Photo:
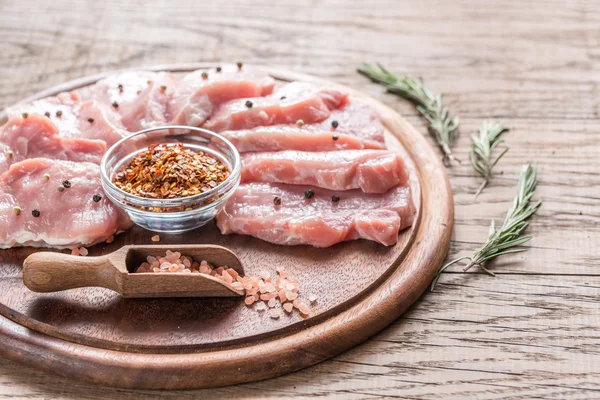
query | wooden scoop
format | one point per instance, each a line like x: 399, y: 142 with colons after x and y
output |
x: 51, y: 272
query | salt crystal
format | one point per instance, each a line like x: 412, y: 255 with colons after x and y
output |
x: 75, y: 251
x: 186, y: 271
x: 165, y: 265
x: 274, y: 313
x: 110, y: 239
x: 283, y: 274
x: 279, y: 269
x: 288, y: 307
x: 265, y: 274
x: 304, y: 309
x: 151, y: 259
x: 261, y: 306
x: 168, y: 253
x: 291, y: 295
x: 282, y: 296
x: 289, y: 286
x: 249, y: 300
x: 296, y: 303
x: 187, y: 262
x: 269, y: 287
x: 156, y: 238
x: 272, y: 303
x: 312, y: 298
x: 237, y: 286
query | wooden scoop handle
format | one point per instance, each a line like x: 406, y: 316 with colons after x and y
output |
x: 51, y: 272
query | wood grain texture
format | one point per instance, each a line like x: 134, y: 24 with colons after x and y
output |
x: 531, y: 332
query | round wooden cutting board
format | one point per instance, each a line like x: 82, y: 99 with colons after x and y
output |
x: 95, y: 335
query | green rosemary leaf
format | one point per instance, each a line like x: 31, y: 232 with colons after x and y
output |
x: 482, y: 148
x: 441, y: 125
x: 503, y: 240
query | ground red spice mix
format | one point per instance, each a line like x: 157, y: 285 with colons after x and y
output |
x: 171, y: 171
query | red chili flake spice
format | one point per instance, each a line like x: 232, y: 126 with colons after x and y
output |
x: 171, y: 171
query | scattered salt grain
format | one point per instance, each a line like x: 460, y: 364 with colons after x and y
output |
x: 274, y: 313
x: 312, y: 298
x: 83, y: 251
x: 155, y: 238
x: 288, y: 307
x: 110, y: 239
x: 261, y: 306
x: 272, y: 303
x: 75, y: 251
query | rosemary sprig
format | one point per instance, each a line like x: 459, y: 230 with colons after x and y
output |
x: 503, y: 241
x: 441, y: 124
x: 482, y: 149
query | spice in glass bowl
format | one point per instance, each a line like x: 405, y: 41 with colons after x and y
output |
x: 170, y: 171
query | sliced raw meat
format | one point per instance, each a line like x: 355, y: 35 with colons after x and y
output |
x: 358, y: 127
x: 317, y: 221
x: 66, y: 219
x: 75, y: 119
x: 141, y: 98
x: 97, y: 121
x: 37, y: 136
x: 58, y: 108
x: 196, y: 98
x: 287, y: 105
x: 372, y: 171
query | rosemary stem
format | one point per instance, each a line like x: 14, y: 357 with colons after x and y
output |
x: 481, y: 187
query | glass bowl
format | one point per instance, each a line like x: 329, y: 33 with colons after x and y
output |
x: 178, y: 214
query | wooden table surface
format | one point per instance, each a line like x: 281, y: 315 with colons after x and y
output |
x: 530, y: 332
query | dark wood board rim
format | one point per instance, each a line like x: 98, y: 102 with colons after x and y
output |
x: 278, y: 355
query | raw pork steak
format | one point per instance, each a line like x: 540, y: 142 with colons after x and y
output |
x: 196, y: 98
x: 358, y: 127
x: 317, y: 221
x: 37, y: 136
x: 372, y: 171
x: 289, y: 104
x: 75, y: 119
x: 141, y: 98
x: 67, y: 219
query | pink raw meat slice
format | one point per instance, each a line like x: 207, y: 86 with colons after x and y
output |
x: 372, y: 171
x: 66, y: 219
x: 59, y: 108
x: 358, y: 127
x: 196, y: 98
x: 37, y: 136
x: 287, y: 105
x: 75, y: 119
x: 317, y: 221
x: 141, y: 98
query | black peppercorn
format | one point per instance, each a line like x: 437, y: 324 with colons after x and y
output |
x: 219, y: 69
x: 334, y: 124
x: 90, y: 120
x: 277, y: 201
x: 35, y: 213
x: 240, y: 65
x: 58, y: 113
x: 115, y: 104
x: 335, y: 198
x: 249, y: 104
x: 24, y: 115
x: 47, y: 114
x: 335, y: 137
x: 97, y: 197
x: 309, y: 194
x: 66, y: 184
